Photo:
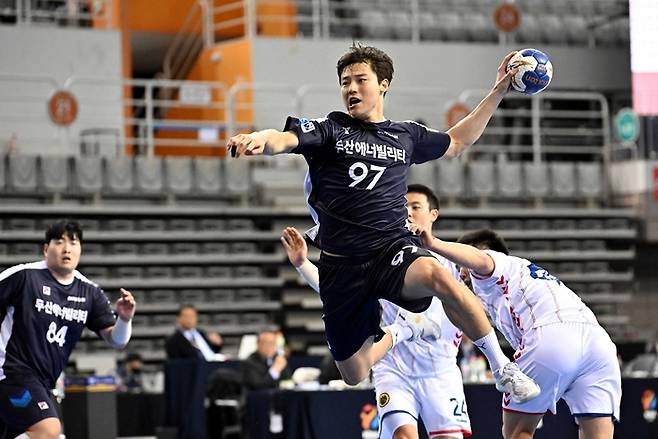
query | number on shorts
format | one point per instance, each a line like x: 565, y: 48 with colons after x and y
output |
x: 56, y: 336
x: 359, y: 171
x: 460, y: 407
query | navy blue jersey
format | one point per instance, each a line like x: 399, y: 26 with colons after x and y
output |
x: 42, y: 320
x: 358, y: 177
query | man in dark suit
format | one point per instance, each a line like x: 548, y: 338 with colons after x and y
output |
x: 190, y: 342
x: 266, y: 367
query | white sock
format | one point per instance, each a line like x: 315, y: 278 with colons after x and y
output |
x: 22, y: 436
x: 491, y: 349
x: 398, y: 333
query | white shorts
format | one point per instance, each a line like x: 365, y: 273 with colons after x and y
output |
x: 439, y: 400
x: 576, y: 362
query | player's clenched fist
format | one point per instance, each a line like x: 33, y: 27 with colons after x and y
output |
x: 247, y: 144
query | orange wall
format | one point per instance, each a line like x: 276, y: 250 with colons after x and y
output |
x: 227, y: 63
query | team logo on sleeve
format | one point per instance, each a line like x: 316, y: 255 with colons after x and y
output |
x: 306, y: 125
x: 43, y: 405
x: 384, y: 399
x: 536, y: 272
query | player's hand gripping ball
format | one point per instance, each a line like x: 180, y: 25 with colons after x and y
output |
x: 535, y: 71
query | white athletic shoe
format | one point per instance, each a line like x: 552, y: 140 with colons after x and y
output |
x: 519, y: 386
x: 420, y: 326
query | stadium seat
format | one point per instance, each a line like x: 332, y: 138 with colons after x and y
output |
x: 221, y: 296
x: 158, y: 271
x: 214, y: 248
x: 153, y: 224
x: 185, y: 248
x: 451, y: 26
x: 192, y: 296
x: 188, y: 271
x: 429, y: 29
x: 480, y: 27
x: 120, y: 224
x: 54, y: 173
x: 510, y: 179
x: 211, y: 224
x: 250, y: 295
x: 23, y: 173
x: 553, y: 28
x: 451, y: 179
x: 589, y: 180
x: 482, y: 179
x: 563, y: 179
x: 208, y: 176
x: 183, y: 224
x: 400, y: 21
x: 119, y: 175
x: 238, y: 178
x: 178, y: 175
x: 424, y: 174
x: 375, y: 24
x: 218, y: 271
x: 536, y: 180
x: 148, y: 175
x: 88, y: 174
x: 3, y: 172
x: 154, y: 248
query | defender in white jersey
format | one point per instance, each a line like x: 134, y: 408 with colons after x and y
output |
x: 557, y: 338
x: 419, y: 377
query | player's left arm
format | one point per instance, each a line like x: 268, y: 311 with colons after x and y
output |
x: 118, y: 334
x: 468, y: 130
x: 297, y: 251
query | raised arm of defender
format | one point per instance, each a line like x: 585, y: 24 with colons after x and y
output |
x: 461, y: 254
x: 265, y: 142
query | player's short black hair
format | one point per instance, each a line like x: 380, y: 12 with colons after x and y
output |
x: 133, y: 356
x: 432, y: 199
x: 377, y: 59
x: 485, y: 239
x: 185, y: 306
x: 63, y: 227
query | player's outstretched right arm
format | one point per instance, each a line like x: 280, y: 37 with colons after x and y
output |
x: 297, y: 251
x: 266, y: 142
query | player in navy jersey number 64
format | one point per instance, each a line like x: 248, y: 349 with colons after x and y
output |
x: 44, y: 307
x: 356, y: 186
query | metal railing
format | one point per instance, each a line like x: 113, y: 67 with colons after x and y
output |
x: 149, y: 114
x: 71, y: 13
x: 136, y: 113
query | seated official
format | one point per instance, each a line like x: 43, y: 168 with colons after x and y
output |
x: 188, y: 341
x: 266, y: 367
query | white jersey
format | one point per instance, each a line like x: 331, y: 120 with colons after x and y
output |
x: 520, y: 296
x: 423, y: 357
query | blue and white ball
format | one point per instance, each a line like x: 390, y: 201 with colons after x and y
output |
x: 535, y: 71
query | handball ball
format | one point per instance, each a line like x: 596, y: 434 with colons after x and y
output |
x: 535, y: 71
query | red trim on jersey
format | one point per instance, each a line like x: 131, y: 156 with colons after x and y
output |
x: 483, y: 277
x: 466, y: 433
x: 505, y: 409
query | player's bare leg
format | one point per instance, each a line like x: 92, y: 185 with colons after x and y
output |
x: 427, y: 277
x: 408, y: 431
x: 48, y: 428
x: 595, y: 428
x: 357, y: 368
x: 519, y: 425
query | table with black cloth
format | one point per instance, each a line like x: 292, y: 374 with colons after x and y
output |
x: 138, y: 414
x: 186, y: 383
x: 338, y: 414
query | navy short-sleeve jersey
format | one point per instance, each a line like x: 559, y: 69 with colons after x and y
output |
x: 42, y: 320
x: 358, y: 177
